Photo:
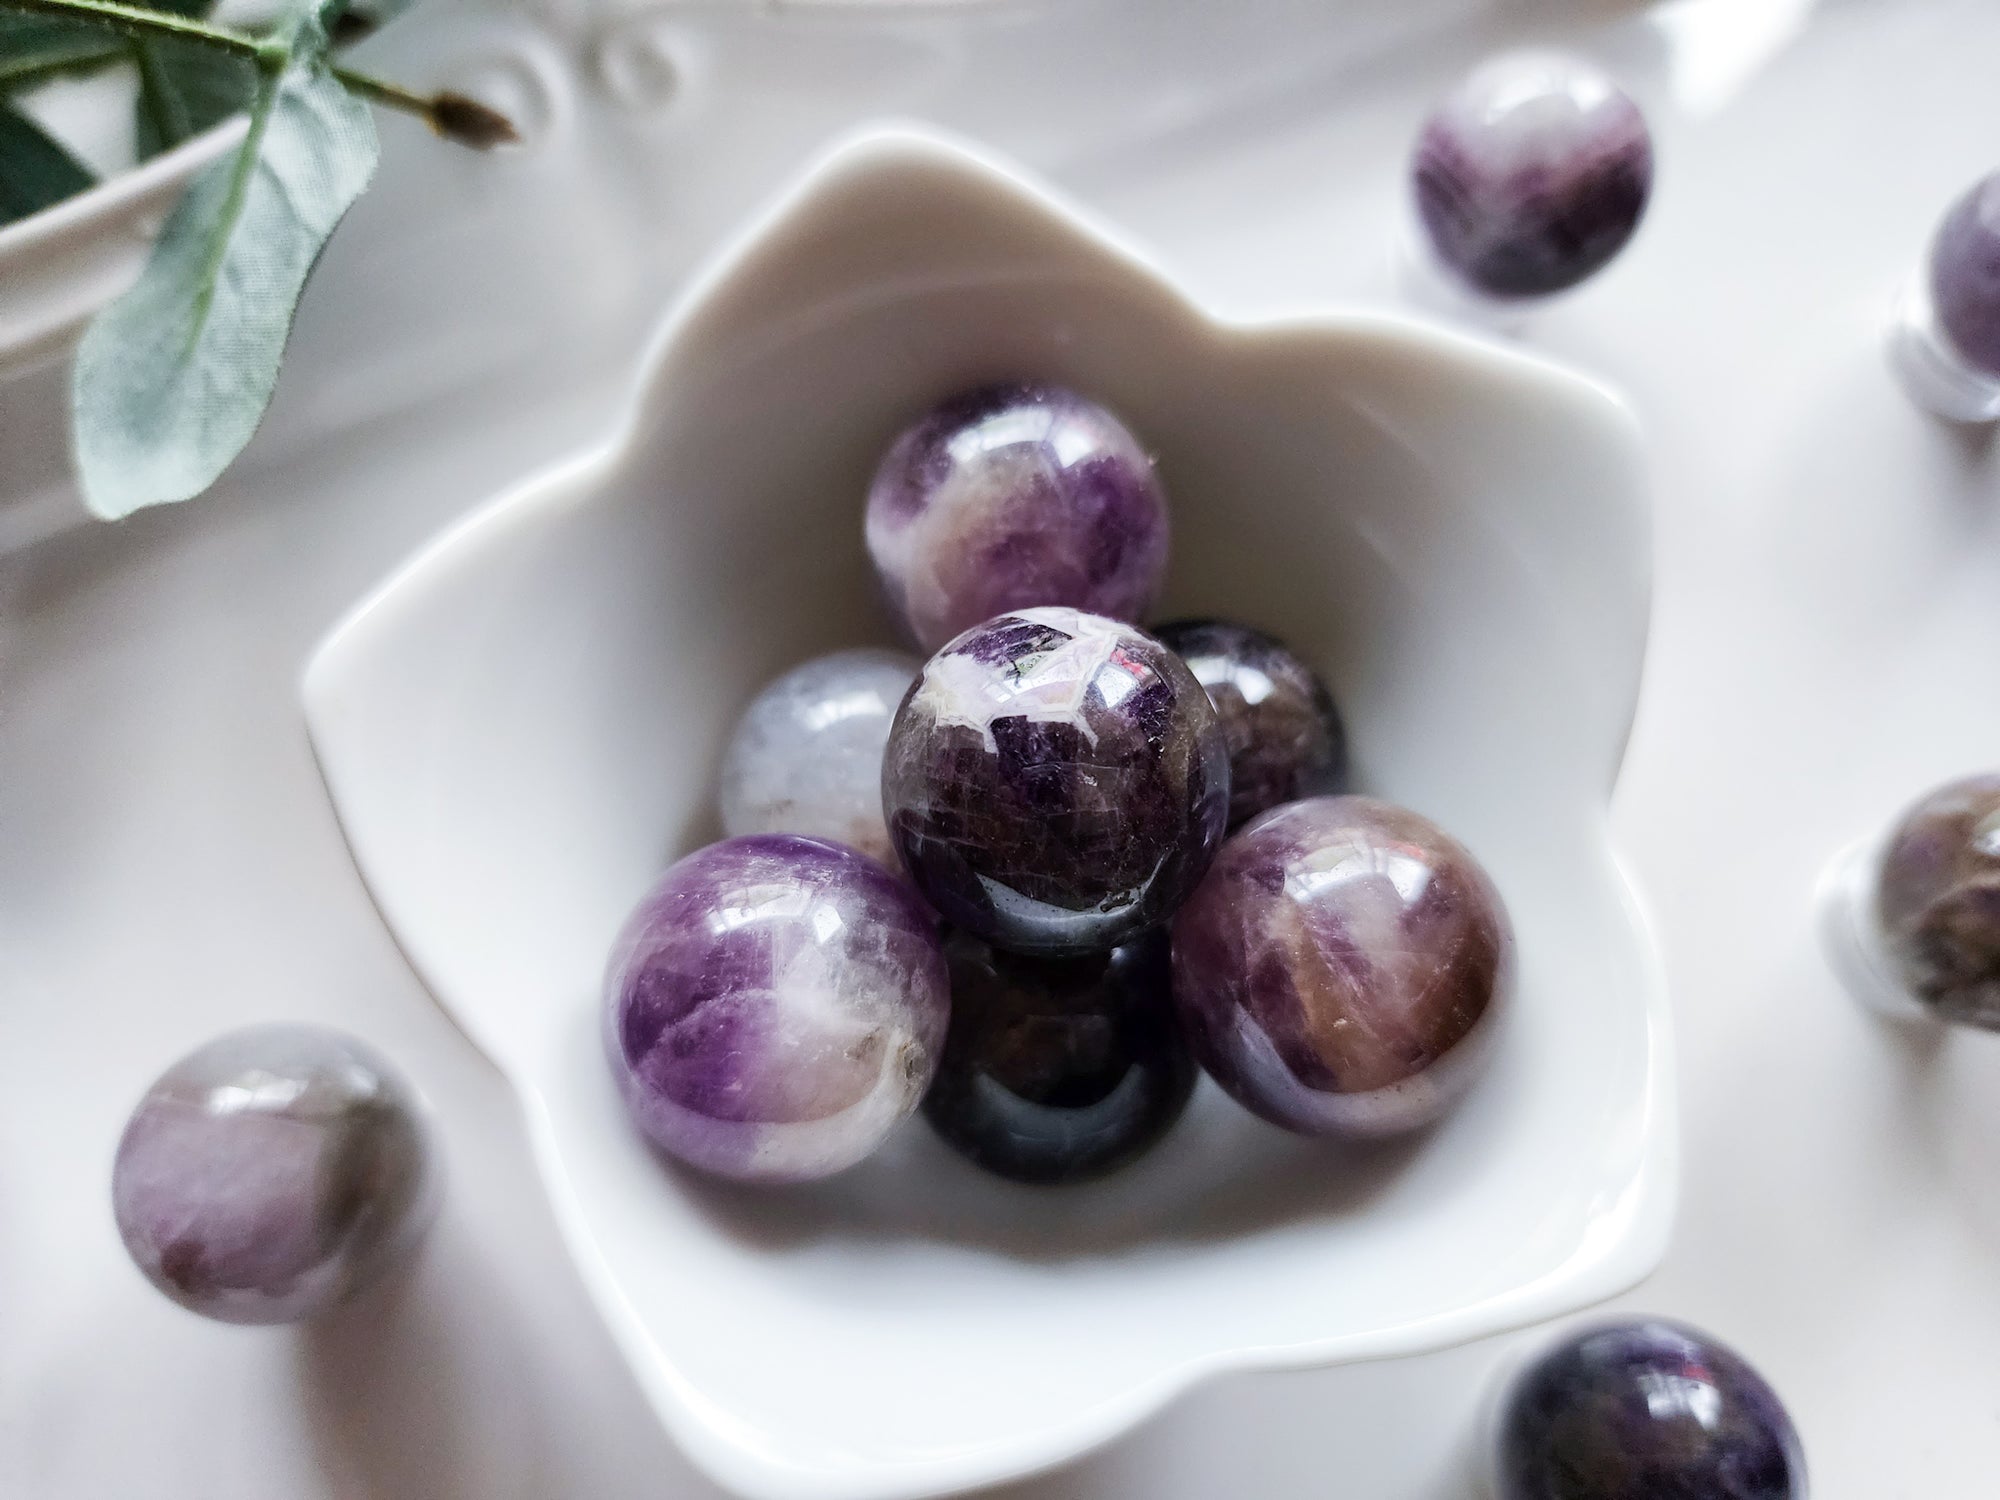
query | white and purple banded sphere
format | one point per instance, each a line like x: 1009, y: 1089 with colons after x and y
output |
x: 1965, y: 276
x: 1341, y: 967
x: 806, y: 757
x: 1284, y: 735
x: 1532, y: 175
x: 1015, y: 495
x: 1938, y: 901
x: 1644, y: 1409
x: 1055, y: 781
x: 775, y: 1007
x: 271, y: 1173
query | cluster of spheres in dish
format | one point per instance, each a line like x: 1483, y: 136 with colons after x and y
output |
x: 1035, y: 881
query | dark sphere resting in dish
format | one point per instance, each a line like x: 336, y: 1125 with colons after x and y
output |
x: 1341, y: 968
x: 1938, y: 901
x: 1056, y: 782
x: 1059, y: 1069
x: 1284, y: 734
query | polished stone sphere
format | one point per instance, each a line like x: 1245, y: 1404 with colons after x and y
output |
x: 1059, y: 1069
x: 1284, y: 734
x: 1340, y: 968
x: 1055, y: 781
x: 806, y: 757
x: 1532, y: 175
x: 1644, y: 1409
x: 775, y: 1007
x: 1965, y: 276
x: 1938, y: 901
x: 273, y: 1172
x: 1015, y: 495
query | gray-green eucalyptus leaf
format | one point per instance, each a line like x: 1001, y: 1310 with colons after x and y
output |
x: 172, y: 379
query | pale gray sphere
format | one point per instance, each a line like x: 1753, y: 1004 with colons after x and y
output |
x: 806, y: 756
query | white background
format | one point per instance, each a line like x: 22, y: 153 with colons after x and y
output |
x: 1826, y: 645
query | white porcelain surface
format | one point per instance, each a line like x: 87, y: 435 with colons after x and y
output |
x: 523, y: 726
x: 1827, y: 561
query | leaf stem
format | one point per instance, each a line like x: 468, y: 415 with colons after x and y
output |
x: 145, y: 25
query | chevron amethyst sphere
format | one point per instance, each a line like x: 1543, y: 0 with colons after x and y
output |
x: 272, y: 1172
x: 1644, y: 1409
x: 1965, y: 276
x: 1015, y: 495
x: 1059, y: 1069
x: 1938, y: 901
x: 1055, y: 781
x: 1340, y: 967
x: 1532, y: 175
x: 1284, y: 734
x: 775, y: 1007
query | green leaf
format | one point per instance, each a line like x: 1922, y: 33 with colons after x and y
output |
x: 36, y: 47
x: 35, y: 170
x: 184, y: 88
x: 172, y: 378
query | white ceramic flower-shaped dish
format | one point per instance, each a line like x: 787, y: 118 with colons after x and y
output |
x: 522, y: 728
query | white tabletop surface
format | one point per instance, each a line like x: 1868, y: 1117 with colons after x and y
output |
x: 1826, y: 645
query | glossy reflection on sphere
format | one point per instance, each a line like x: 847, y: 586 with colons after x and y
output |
x: 806, y: 756
x: 1645, y: 1409
x: 1015, y: 495
x: 1284, y: 734
x: 1965, y: 276
x: 1341, y: 965
x: 1532, y: 176
x: 1938, y: 901
x: 1055, y: 781
x: 774, y: 1007
x: 272, y: 1172
x: 1059, y: 1069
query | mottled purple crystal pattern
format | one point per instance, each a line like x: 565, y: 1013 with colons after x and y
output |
x: 271, y: 1173
x: 1055, y: 781
x: 1938, y: 901
x: 1532, y: 175
x: 1015, y: 495
x: 1645, y: 1409
x: 774, y: 1007
x: 1965, y: 276
x: 1284, y: 735
x: 1341, y: 967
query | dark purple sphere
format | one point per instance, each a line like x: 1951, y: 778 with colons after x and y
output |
x: 1645, y: 1410
x: 1055, y: 781
x: 271, y: 1173
x: 1938, y: 901
x: 1015, y: 495
x: 1532, y: 175
x: 1965, y: 276
x: 1340, y: 967
x: 775, y: 1007
x: 1284, y: 734
x: 1059, y: 1069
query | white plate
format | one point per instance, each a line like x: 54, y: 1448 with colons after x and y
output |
x: 522, y: 727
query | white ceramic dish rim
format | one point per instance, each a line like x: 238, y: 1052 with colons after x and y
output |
x: 1630, y: 1238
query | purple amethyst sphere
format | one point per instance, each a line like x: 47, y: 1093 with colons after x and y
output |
x: 775, y: 1007
x: 1938, y: 901
x: 1532, y: 175
x: 1059, y: 1069
x: 1055, y: 781
x: 1965, y: 276
x: 1340, y: 967
x: 271, y: 1173
x: 1284, y: 734
x: 1644, y: 1409
x: 1015, y: 495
